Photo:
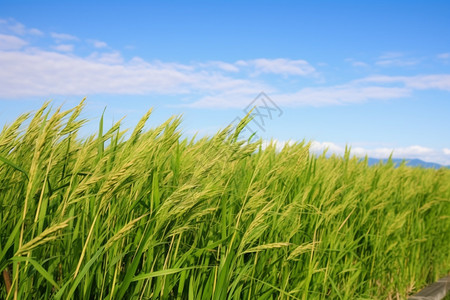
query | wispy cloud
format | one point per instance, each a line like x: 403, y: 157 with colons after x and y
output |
x: 397, y: 63
x: 235, y: 97
x: 34, y: 31
x: 444, y: 58
x: 108, y: 58
x: 214, y: 83
x: 35, y: 72
x: 63, y: 37
x: 396, y: 59
x: 98, y: 44
x: 43, y: 73
x: 356, y: 63
x: 224, y: 66
x: 340, y: 94
x: 351, y: 93
x: 418, y: 82
x: 444, y: 55
x: 64, y: 47
x: 10, y: 42
x: 14, y: 27
x: 279, y: 66
x: 256, y: 67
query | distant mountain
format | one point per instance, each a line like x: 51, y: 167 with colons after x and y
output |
x: 409, y: 163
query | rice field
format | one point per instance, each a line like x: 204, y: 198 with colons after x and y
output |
x: 153, y: 215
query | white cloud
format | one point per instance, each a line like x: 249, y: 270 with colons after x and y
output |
x: 356, y: 63
x: 64, y: 48
x: 424, y: 82
x: 34, y: 31
x: 13, y: 27
x: 109, y: 58
x: 219, y: 65
x: 239, y: 95
x: 340, y: 94
x: 444, y: 55
x: 43, y: 73
x: 98, y: 44
x: 446, y: 151
x: 10, y: 42
x: 359, y: 64
x: 280, y: 66
x: 320, y: 147
x: 63, y: 37
x: 17, y: 28
x: 397, y: 62
x: 357, y: 91
x: 395, y: 59
x: 419, y: 82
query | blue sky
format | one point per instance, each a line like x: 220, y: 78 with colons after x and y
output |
x: 375, y: 76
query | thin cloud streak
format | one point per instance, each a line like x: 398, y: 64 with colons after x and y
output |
x: 64, y: 47
x: 395, y: 59
x: 418, y: 82
x: 11, y: 26
x: 280, y: 66
x: 340, y: 95
x: 63, y: 37
x: 98, y: 44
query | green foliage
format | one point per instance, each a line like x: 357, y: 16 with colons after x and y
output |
x: 156, y: 216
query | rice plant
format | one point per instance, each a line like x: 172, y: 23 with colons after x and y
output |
x: 153, y: 215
